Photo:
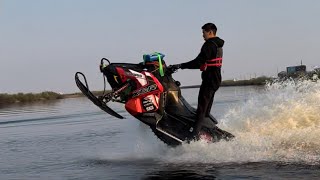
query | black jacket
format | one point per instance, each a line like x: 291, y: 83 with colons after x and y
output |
x: 212, y: 76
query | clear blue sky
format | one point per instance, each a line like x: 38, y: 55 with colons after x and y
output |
x: 44, y: 42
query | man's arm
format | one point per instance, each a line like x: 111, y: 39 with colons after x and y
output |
x: 205, y: 53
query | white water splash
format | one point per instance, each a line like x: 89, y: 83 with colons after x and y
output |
x: 282, y: 124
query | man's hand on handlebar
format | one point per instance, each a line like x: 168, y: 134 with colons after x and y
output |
x: 173, y: 68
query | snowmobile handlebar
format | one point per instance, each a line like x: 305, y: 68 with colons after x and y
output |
x: 102, y: 65
x: 172, y: 69
x: 104, y: 59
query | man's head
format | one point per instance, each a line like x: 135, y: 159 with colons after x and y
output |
x: 209, y: 30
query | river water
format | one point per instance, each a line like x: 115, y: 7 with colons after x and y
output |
x: 276, y: 127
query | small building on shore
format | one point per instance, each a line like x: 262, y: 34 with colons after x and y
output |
x: 298, y: 72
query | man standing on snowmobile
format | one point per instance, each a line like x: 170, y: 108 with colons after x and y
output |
x: 209, y: 61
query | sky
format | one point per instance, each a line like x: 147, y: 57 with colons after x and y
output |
x: 43, y: 43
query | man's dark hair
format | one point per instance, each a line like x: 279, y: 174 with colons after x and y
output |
x: 210, y: 27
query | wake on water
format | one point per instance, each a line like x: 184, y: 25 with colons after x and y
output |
x: 279, y: 125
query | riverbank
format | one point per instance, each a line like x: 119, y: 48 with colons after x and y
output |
x: 260, y: 81
x: 23, y: 98
x: 8, y: 99
x: 79, y: 94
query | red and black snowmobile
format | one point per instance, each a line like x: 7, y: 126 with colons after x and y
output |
x: 151, y: 95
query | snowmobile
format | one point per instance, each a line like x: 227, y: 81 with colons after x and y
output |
x: 150, y: 94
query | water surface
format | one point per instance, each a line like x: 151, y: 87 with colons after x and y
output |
x: 277, y: 137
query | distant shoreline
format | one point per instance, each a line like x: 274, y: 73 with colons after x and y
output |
x: 23, y: 98
x: 260, y: 81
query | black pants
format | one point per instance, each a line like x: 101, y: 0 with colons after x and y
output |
x: 205, y: 101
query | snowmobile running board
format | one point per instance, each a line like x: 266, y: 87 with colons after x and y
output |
x: 85, y: 90
x: 170, y: 135
x: 167, y: 133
